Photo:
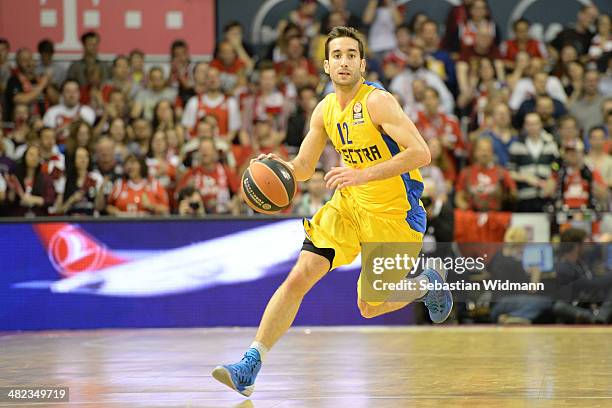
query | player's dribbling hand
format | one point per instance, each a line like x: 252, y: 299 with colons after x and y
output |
x: 340, y: 177
x: 273, y: 156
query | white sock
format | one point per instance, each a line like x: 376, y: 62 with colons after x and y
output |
x: 260, y: 348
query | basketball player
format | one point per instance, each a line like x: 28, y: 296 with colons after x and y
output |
x: 376, y: 199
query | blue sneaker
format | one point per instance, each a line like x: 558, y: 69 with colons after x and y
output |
x: 439, y: 302
x: 240, y: 376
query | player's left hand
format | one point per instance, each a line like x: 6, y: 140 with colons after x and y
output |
x: 340, y: 177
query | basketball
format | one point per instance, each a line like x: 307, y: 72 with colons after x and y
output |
x: 268, y: 186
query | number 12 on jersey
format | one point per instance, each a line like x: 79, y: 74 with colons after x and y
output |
x: 345, y: 126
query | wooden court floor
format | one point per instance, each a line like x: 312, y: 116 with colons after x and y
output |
x: 380, y: 367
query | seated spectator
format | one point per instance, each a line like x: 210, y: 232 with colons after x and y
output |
x: 470, y: 57
x: 138, y: 75
x: 296, y: 57
x: 106, y: 162
x: 530, y: 165
x: 549, y: 112
x: 162, y: 166
x: 298, y: 123
x: 415, y: 69
x: 136, y: 194
x: 572, y: 82
x: 501, y: 133
x: 31, y: 190
x: 199, y: 84
x: 53, y: 162
x: 2, y: 194
x: 598, y: 158
x: 24, y: 87
x: 442, y: 161
x: 213, y: 102
x: 117, y: 131
x: 59, y: 117
x: 457, y: 15
x: 147, y: 98
x: 164, y: 116
x: 5, y: 67
x: 381, y: 18
x: 567, y: 55
x: 521, y: 42
x: 120, y: 80
x: 578, y: 185
x: 587, y: 109
x: 7, y: 165
x: 232, y: 69
x: 433, y: 175
x: 91, y: 90
x: 16, y: 137
x: 315, y: 196
x: 395, y: 60
x: 304, y: 17
x: 78, y: 69
x: 317, y: 45
x: 81, y: 135
x: 82, y: 186
x: 437, y: 59
x: 215, y: 181
x: 234, y: 33
x: 578, y: 34
x: 268, y: 101
x: 349, y: 18
x: 440, y: 219
x: 602, y: 41
x: 265, y: 140
x: 484, y: 185
x: 180, y: 67
x: 568, y: 131
x: 190, y: 202
x: 434, y: 124
x: 277, y: 52
x: 141, y: 137
x: 46, y: 65
x: 525, y: 87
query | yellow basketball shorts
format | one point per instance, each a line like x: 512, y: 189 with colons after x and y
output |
x: 343, y: 225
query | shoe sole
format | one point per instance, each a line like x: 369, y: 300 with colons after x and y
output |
x: 222, y: 375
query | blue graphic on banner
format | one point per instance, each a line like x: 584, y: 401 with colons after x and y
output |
x: 161, y: 274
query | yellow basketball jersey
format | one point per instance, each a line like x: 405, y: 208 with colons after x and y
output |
x: 361, y: 145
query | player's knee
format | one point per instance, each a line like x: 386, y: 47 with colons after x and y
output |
x: 304, y: 275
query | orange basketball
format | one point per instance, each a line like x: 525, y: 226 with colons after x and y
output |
x: 268, y: 186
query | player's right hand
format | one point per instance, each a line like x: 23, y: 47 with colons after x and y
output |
x: 273, y: 156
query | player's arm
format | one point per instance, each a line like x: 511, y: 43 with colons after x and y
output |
x: 387, y: 114
x: 304, y: 164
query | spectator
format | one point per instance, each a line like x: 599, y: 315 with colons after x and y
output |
x: 578, y: 185
x: 572, y: 82
x: 91, y: 91
x: 234, y: 33
x: 317, y: 45
x: 298, y: 123
x: 141, y: 132
x: 199, y: 84
x: 265, y: 140
x: 7, y: 165
x: 568, y: 131
x: 190, y: 202
x: 120, y: 80
x: 106, y: 162
x: 138, y: 75
x: 578, y: 35
x: 179, y: 66
x: 21, y: 127
x: 602, y: 41
x: 597, y: 157
x: 78, y: 69
x: 530, y: 165
x: 525, y: 87
x: 278, y: 51
x: 339, y: 6
x: 296, y: 58
x: 395, y: 60
x: 31, y: 189
x: 213, y: 102
x: 521, y: 42
x: 479, y: 20
x: 117, y: 131
x: 46, y: 65
x: 82, y: 186
x: 213, y: 180
x: 81, y: 135
x: 457, y: 15
x: 437, y: 59
x: 147, y: 98
x: 23, y: 87
x: 381, y: 18
x: 501, y: 133
x: 433, y: 175
x: 232, y: 68
x: 587, y: 109
x: 267, y: 101
x: 5, y: 67
x: 59, y: 117
x: 434, y: 124
x: 484, y: 185
x: 470, y: 56
x: 441, y: 161
x: 161, y: 164
x: 304, y: 18
x: 549, y: 113
x: 53, y: 161
x: 135, y: 194
x: 415, y: 69
x: 315, y: 196
x: 440, y: 218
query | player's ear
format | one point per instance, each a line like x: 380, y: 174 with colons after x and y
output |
x: 362, y: 68
x: 326, y: 66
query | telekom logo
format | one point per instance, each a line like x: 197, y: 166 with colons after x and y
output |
x: 70, y: 252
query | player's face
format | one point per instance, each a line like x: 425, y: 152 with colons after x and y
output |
x: 344, y: 65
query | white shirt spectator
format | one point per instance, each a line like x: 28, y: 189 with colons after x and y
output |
x: 382, y: 32
x: 148, y: 99
x: 524, y: 89
x: 60, y: 115
x: 402, y: 85
x: 2, y: 184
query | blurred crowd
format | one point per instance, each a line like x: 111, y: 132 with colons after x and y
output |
x: 517, y: 124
